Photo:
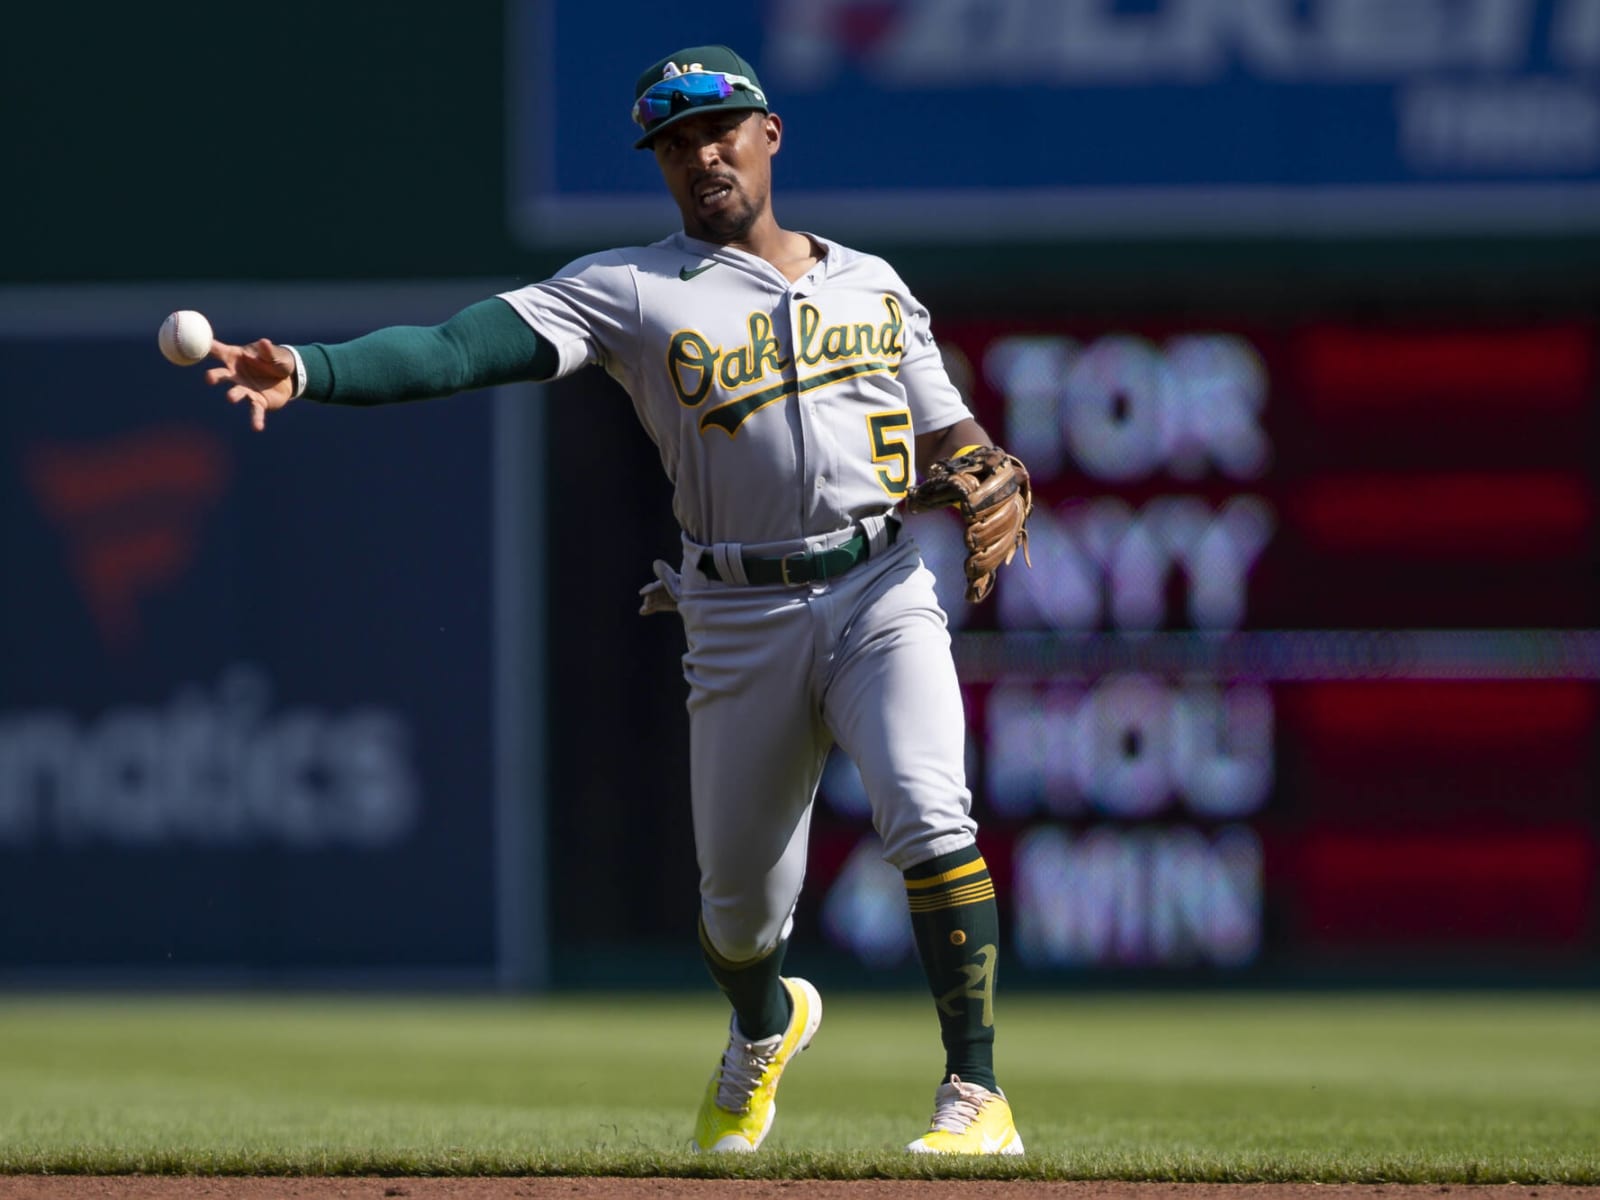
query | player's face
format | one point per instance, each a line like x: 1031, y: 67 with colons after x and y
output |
x: 718, y: 167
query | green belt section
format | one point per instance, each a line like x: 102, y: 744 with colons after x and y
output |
x: 803, y: 566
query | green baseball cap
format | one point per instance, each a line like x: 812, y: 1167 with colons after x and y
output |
x: 691, y: 81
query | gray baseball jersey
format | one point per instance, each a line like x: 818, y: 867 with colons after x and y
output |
x: 780, y: 409
x: 785, y: 414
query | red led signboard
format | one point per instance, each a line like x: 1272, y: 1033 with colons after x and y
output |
x: 1305, y: 666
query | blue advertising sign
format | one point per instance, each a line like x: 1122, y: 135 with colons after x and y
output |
x: 246, y: 703
x: 979, y: 119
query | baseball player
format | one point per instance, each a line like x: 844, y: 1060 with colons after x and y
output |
x: 793, y: 387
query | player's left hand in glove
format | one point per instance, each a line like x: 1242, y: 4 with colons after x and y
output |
x: 661, y: 593
x: 994, y: 496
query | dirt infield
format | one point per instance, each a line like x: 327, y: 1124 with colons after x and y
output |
x: 190, y: 1187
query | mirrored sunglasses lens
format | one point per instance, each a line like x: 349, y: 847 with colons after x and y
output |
x: 670, y: 95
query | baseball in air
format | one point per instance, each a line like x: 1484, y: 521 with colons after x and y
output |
x: 185, y: 337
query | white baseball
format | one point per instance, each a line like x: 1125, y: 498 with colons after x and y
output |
x: 185, y: 337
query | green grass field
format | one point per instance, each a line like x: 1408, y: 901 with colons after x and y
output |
x: 1364, y: 1087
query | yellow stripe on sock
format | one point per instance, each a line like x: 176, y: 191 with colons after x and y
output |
x: 973, y: 893
x: 976, y: 888
x: 933, y: 881
x: 951, y: 904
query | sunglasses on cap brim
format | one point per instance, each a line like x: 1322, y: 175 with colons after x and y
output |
x: 690, y: 90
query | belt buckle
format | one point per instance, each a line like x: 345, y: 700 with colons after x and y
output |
x: 783, y: 567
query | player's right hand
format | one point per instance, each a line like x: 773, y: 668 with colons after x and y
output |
x: 262, y: 373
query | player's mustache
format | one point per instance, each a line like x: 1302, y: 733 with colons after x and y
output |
x: 712, y: 177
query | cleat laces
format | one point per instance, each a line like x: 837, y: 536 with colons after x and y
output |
x: 743, y: 1064
x: 956, y: 1106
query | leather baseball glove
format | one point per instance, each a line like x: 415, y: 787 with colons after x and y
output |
x: 994, y: 496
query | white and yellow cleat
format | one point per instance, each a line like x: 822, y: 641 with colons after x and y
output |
x: 968, y: 1119
x: 742, y: 1097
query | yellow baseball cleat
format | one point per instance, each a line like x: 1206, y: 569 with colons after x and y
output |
x: 968, y: 1119
x: 741, y: 1098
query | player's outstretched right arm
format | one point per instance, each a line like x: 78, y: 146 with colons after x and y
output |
x: 481, y: 346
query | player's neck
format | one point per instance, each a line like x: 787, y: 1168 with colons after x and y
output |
x: 791, y: 253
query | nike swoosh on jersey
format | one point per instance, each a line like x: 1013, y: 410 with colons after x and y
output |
x: 685, y: 274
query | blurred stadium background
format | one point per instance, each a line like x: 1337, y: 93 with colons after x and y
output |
x: 1291, y: 306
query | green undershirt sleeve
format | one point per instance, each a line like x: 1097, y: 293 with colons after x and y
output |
x: 483, y: 345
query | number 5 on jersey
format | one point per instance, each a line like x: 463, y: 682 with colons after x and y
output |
x: 890, y: 434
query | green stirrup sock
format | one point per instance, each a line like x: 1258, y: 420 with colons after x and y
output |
x: 759, y: 999
x: 957, y: 928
